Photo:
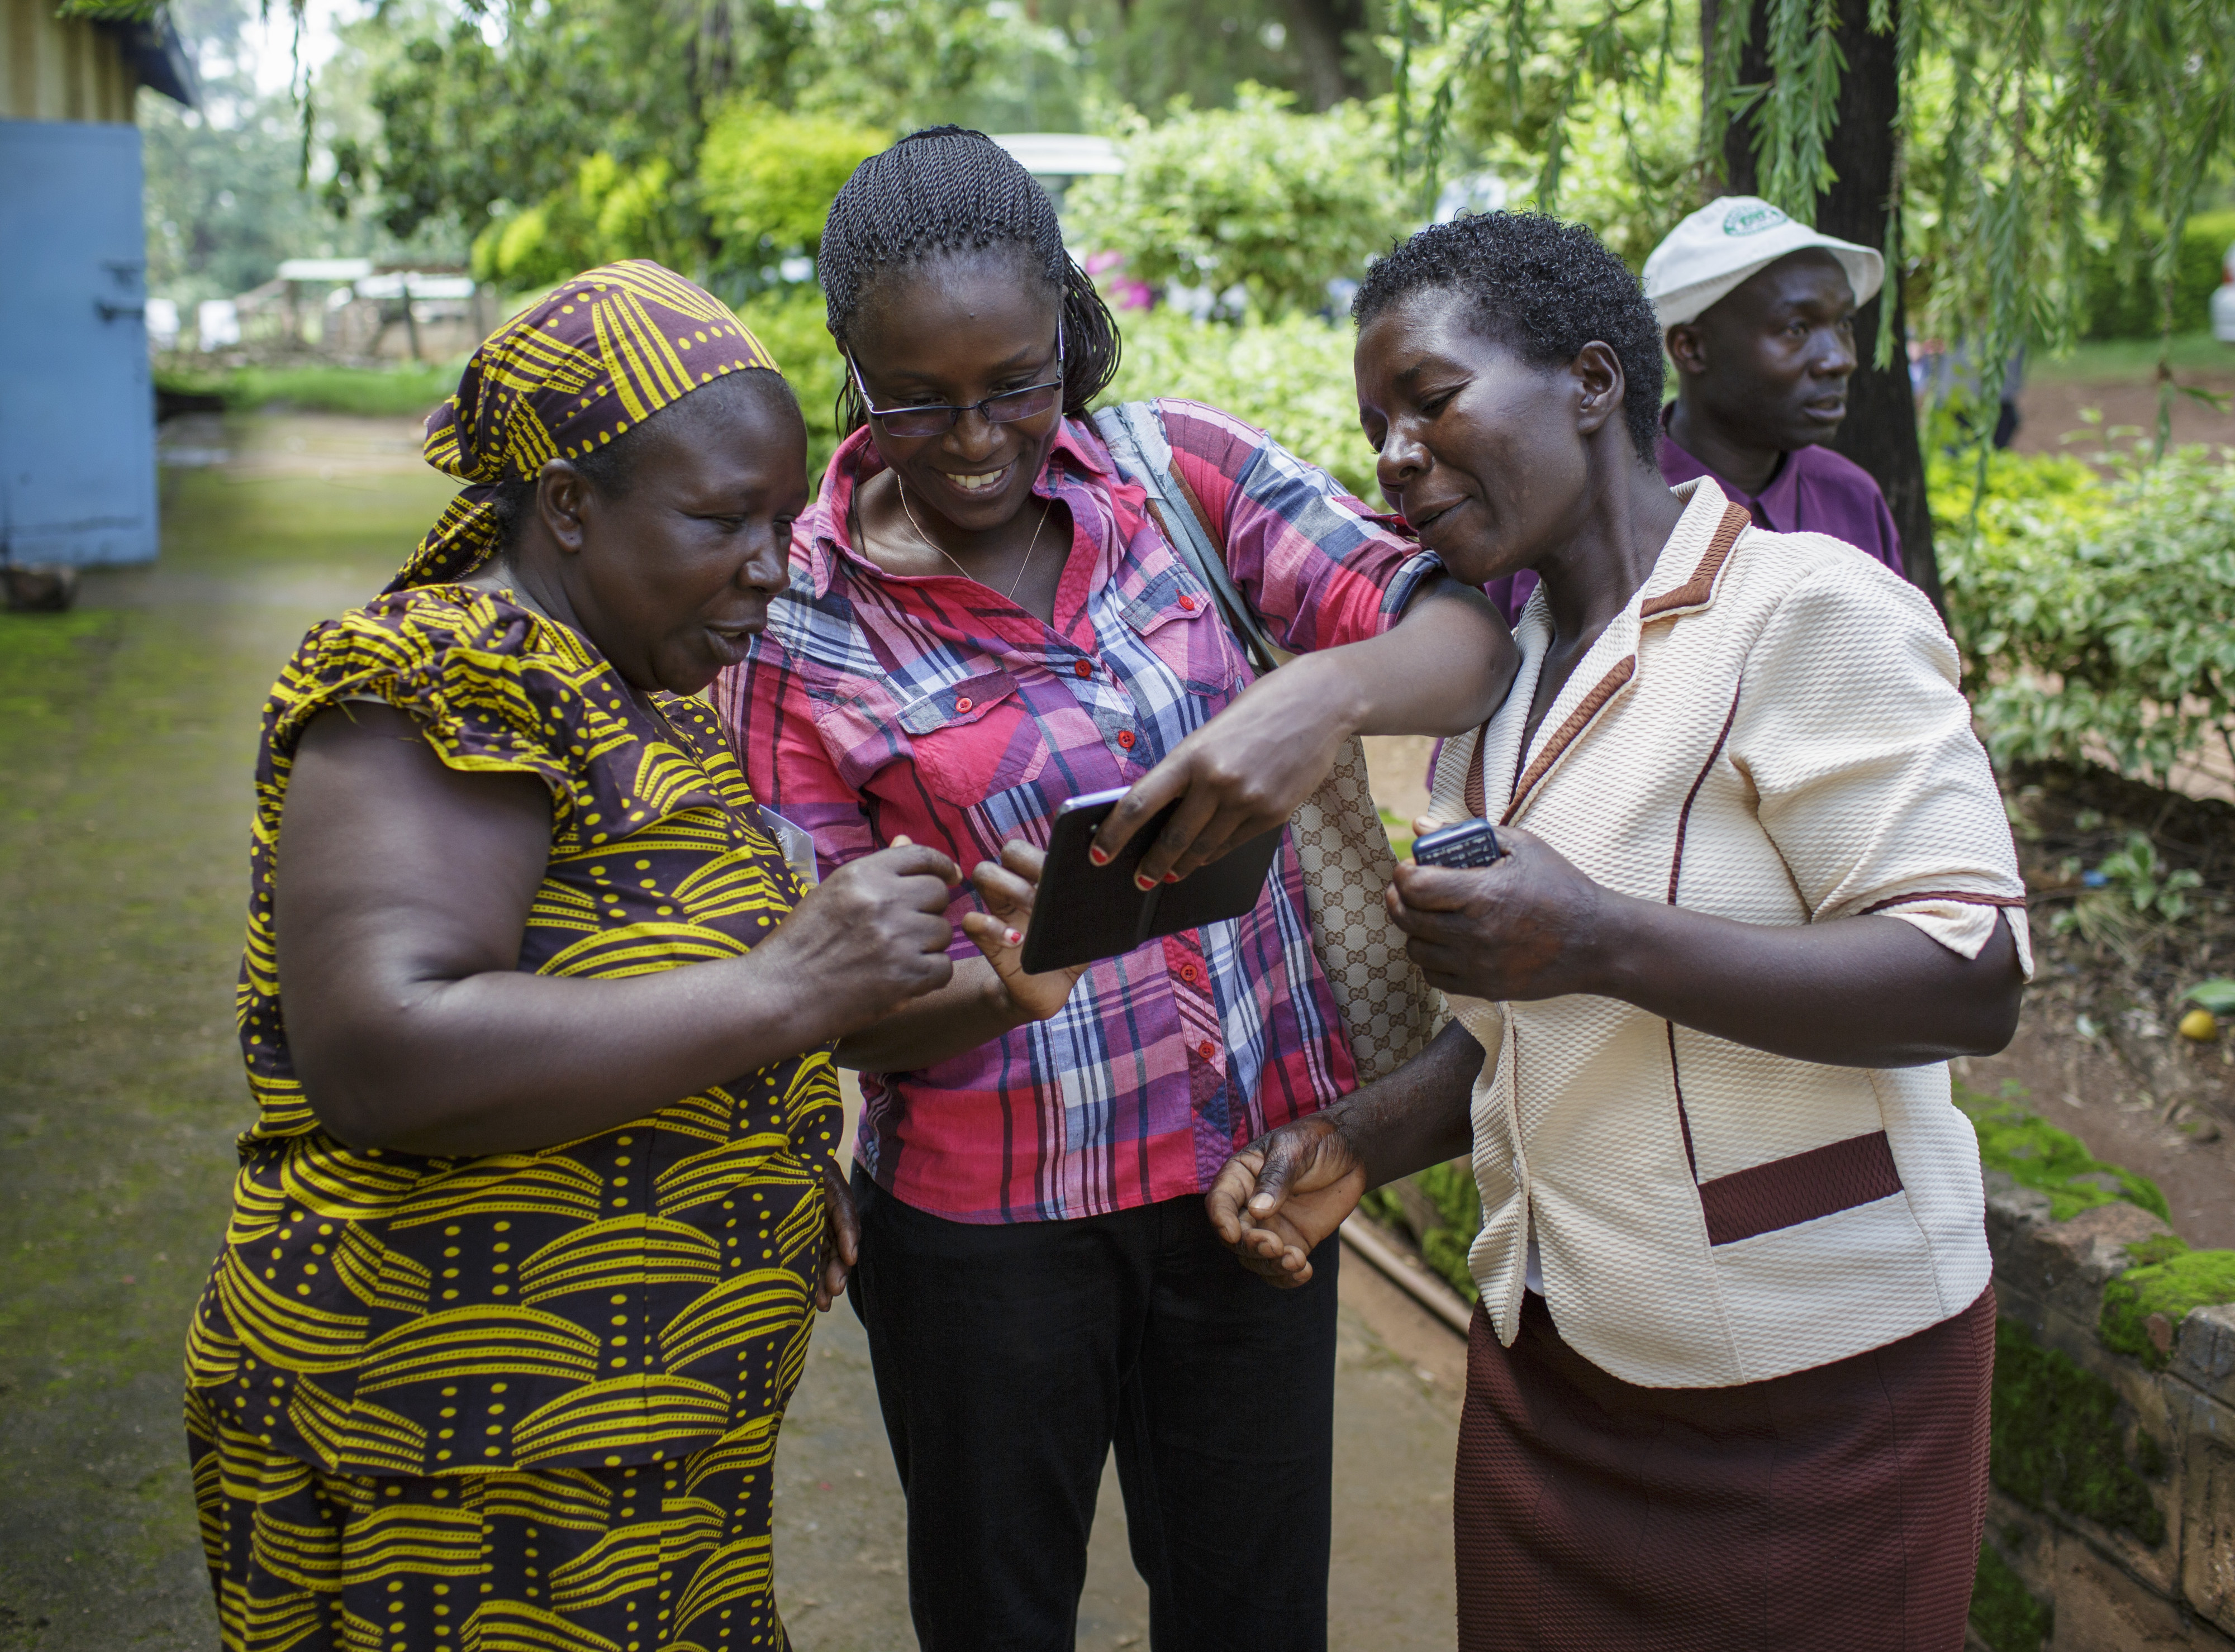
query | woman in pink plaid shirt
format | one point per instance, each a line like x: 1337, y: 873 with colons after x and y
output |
x: 984, y: 620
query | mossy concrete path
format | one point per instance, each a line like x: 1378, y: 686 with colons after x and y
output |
x: 127, y: 734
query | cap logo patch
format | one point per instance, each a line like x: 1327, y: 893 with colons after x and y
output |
x: 1753, y: 218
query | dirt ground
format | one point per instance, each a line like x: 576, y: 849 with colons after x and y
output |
x: 2050, y: 412
x: 128, y: 731
x: 2098, y: 1053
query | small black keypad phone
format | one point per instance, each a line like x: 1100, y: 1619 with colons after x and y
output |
x: 1471, y: 843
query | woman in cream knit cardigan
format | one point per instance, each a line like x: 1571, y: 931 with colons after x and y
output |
x: 1727, y: 1384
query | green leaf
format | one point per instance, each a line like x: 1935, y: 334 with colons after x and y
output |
x: 2216, y: 995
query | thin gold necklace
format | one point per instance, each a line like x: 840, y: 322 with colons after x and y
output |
x: 1010, y: 595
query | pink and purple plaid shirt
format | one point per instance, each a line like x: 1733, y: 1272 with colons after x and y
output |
x: 876, y: 706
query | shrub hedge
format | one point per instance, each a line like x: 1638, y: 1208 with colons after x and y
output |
x: 2096, y: 610
x: 2122, y: 302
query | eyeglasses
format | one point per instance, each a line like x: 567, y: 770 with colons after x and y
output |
x: 938, y: 418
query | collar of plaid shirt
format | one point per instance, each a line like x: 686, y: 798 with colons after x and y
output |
x: 857, y: 460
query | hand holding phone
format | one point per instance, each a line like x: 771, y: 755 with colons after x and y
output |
x: 1470, y: 843
x: 1084, y: 913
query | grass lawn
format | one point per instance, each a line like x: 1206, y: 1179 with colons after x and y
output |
x: 2111, y: 360
x: 408, y: 388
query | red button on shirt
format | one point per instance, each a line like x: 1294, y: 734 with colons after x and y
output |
x: 1188, y: 603
x: 1189, y: 972
x: 962, y: 704
x: 1084, y: 669
x: 1206, y: 1049
x: 1125, y: 738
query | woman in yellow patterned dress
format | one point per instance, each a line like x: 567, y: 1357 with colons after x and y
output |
x: 536, y: 1017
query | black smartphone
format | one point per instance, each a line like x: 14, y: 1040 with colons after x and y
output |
x: 1471, y: 843
x: 1084, y: 913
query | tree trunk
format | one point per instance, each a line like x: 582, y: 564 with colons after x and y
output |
x: 1879, y: 432
x: 1321, y: 28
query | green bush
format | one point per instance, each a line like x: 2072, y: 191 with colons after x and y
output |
x: 1443, y: 1240
x: 1277, y: 202
x: 608, y: 211
x: 1290, y: 378
x: 2097, y: 614
x: 789, y: 321
x: 2004, y: 1611
x: 2123, y: 303
x: 766, y: 179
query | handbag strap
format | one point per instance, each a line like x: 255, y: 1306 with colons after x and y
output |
x: 1134, y: 432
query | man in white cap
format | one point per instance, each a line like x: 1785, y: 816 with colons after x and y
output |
x: 1758, y: 313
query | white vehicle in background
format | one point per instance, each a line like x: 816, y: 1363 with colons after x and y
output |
x: 2223, y: 301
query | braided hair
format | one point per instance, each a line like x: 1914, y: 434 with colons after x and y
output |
x: 1543, y: 288
x: 947, y: 189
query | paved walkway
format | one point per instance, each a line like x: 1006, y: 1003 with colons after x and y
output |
x: 127, y: 736
x: 839, y: 1528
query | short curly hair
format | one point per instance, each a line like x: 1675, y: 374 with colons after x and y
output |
x: 1542, y: 288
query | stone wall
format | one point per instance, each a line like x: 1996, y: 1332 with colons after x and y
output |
x: 2110, y: 1527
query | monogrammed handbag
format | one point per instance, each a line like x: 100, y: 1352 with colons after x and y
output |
x: 1388, y: 1009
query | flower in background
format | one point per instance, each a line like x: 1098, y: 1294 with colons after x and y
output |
x: 1123, y: 292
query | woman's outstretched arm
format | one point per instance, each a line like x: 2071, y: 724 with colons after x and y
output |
x: 1441, y: 669
x: 402, y: 897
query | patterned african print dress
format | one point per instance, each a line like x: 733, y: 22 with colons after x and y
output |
x: 525, y: 1400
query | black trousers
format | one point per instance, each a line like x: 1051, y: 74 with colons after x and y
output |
x: 1008, y: 1361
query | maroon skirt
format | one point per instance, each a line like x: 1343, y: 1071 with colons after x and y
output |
x: 1839, y: 1507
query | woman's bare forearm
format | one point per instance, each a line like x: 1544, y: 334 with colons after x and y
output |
x: 1872, y: 992
x: 1441, y: 669
x: 970, y: 1010
x: 1421, y: 1115
x: 508, y: 1062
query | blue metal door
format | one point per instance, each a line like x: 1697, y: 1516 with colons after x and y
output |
x: 77, y: 419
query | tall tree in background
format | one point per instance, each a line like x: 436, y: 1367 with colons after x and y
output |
x: 2054, y: 126
x: 1861, y: 151
x: 1327, y: 33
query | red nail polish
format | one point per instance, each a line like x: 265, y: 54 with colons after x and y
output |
x: 1144, y: 883
x: 1015, y: 937
x: 1171, y: 877
x: 1097, y: 855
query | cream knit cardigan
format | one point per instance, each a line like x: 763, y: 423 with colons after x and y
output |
x: 1770, y: 731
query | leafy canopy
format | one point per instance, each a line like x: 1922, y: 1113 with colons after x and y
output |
x: 1257, y: 197
x: 2030, y: 134
x: 563, y: 107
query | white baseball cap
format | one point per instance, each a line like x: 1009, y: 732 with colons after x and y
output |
x: 1730, y: 238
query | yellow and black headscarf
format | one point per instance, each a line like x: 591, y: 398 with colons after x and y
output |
x: 603, y: 353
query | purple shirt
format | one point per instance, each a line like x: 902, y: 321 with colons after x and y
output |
x: 1814, y: 490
